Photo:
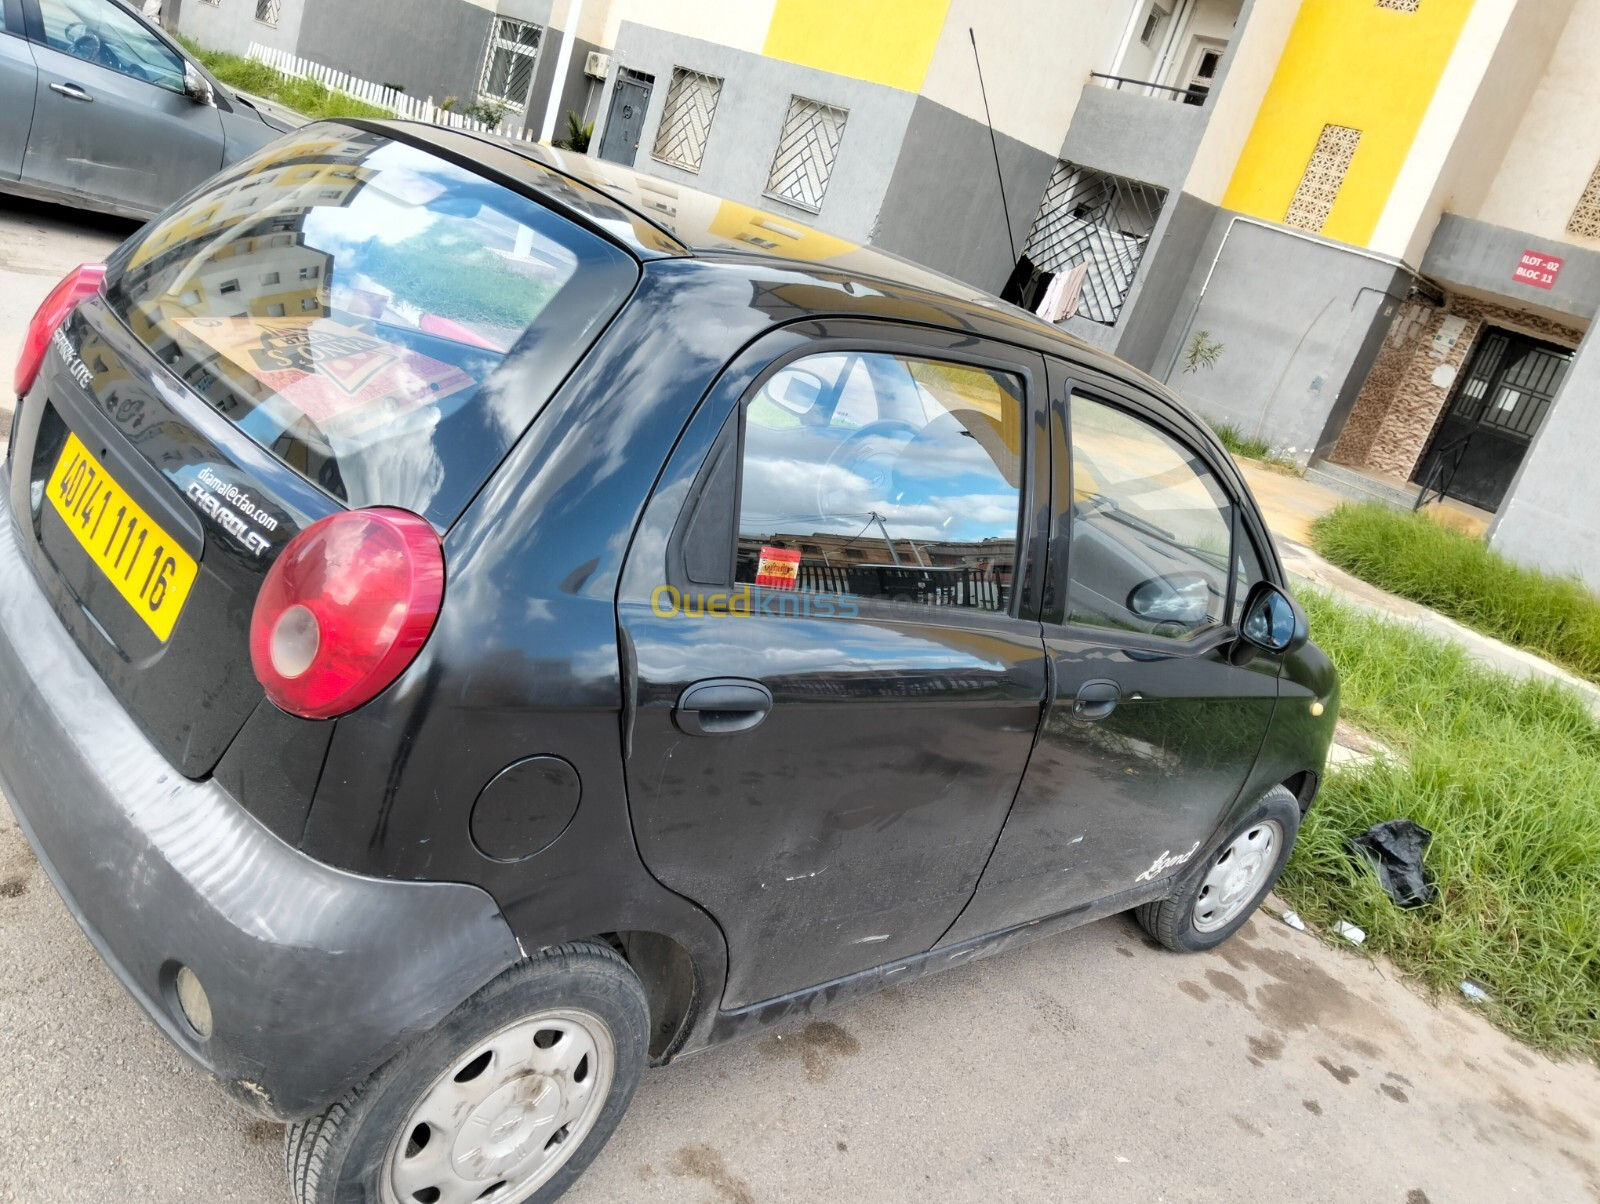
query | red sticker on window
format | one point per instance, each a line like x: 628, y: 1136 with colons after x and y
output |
x: 779, y: 568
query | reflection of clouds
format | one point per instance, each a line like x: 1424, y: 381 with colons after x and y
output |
x: 383, y: 467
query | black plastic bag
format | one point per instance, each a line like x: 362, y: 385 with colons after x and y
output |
x: 1395, y: 849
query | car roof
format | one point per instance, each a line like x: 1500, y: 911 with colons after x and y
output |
x: 658, y: 219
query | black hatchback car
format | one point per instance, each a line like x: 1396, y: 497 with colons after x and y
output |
x: 475, y: 622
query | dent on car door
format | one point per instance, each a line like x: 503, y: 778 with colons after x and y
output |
x: 18, y: 77
x: 111, y: 119
x: 838, y: 675
x: 1153, y: 727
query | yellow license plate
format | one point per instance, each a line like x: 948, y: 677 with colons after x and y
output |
x: 151, y: 572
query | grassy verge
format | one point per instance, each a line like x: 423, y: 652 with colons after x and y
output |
x: 1507, y: 777
x: 1458, y: 575
x: 1250, y: 447
x: 305, y: 96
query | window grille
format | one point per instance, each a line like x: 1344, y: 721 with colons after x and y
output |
x: 1324, y: 176
x: 508, y: 66
x: 1585, y: 220
x: 686, y: 118
x: 806, y: 153
x: 1399, y: 6
x: 1102, y: 220
x: 267, y: 11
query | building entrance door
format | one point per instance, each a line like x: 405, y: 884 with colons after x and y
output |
x: 1492, y: 416
x: 625, y: 121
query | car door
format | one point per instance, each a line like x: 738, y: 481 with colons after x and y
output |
x: 18, y: 76
x: 837, y: 666
x: 1152, y: 727
x: 111, y: 120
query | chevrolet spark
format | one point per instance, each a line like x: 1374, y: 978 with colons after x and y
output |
x: 476, y: 622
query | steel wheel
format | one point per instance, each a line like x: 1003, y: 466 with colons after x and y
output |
x: 499, y: 1123
x: 1239, y: 871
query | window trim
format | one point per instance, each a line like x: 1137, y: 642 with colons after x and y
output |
x: 1067, y: 378
x: 867, y: 337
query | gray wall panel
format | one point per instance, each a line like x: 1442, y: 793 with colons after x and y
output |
x: 1479, y: 256
x: 942, y: 206
x: 749, y: 119
x: 1142, y: 137
x: 233, y: 26
x: 1551, y: 517
x: 1165, y: 275
x: 433, y: 47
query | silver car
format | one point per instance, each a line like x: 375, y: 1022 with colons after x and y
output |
x: 100, y: 109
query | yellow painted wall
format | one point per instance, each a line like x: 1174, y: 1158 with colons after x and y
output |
x: 881, y: 41
x: 1350, y: 63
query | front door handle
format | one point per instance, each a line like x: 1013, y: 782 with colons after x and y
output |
x: 71, y: 92
x: 1095, y: 700
x: 722, y: 706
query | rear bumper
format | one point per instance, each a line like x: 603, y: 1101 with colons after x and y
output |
x: 315, y: 976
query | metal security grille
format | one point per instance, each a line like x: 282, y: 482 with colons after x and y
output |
x: 806, y: 151
x: 1324, y: 176
x: 686, y: 118
x: 508, y: 66
x: 267, y: 11
x: 1511, y: 383
x: 1586, y: 217
x: 1104, y: 221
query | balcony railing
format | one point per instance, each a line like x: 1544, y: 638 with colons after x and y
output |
x: 1190, y: 96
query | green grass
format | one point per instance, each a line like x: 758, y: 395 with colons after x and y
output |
x: 1458, y: 575
x: 1506, y: 775
x: 305, y: 96
x: 1249, y: 447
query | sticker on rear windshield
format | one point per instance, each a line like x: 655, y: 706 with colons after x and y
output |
x: 778, y: 568
x: 343, y: 379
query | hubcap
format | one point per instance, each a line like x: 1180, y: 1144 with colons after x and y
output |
x: 1239, y: 871
x: 506, y: 1115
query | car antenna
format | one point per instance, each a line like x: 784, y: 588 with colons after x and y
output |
x: 1005, y: 209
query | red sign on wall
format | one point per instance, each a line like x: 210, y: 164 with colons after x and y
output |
x: 1538, y: 270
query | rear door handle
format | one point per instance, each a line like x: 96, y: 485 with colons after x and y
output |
x: 71, y: 92
x: 1096, y: 699
x: 722, y: 706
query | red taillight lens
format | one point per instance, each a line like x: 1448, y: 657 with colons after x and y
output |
x: 81, y: 282
x: 344, y: 610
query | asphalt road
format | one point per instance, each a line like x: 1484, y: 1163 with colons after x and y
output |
x: 1090, y: 1066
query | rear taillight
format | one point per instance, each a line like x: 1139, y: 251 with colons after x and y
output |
x: 83, y: 281
x: 344, y: 610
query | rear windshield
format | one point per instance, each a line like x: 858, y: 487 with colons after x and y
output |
x: 383, y: 321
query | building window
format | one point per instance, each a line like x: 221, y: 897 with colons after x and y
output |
x: 275, y: 311
x: 686, y: 118
x: 1101, y: 221
x: 806, y: 151
x: 267, y: 11
x: 1586, y: 217
x: 1153, y: 21
x: 1324, y: 176
x: 1399, y: 6
x: 508, y: 67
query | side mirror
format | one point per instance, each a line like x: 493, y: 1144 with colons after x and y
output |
x: 1273, y: 621
x: 197, y: 87
x: 1183, y: 598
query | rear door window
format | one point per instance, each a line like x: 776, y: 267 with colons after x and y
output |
x: 883, y: 476
x: 384, y: 321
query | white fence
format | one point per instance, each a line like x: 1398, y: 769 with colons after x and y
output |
x: 409, y: 108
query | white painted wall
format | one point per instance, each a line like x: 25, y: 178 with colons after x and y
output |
x: 1557, y: 144
x: 741, y: 24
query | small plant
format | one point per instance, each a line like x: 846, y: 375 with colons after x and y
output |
x: 579, y: 133
x: 394, y: 87
x: 449, y: 103
x: 485, y: 110
x: 1203, y: 352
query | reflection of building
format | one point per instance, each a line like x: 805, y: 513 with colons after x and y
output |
x: 975, y: 573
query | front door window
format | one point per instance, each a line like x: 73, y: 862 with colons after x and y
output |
x: 102, y: 33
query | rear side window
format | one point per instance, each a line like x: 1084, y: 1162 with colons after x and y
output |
x: 1152, y: 529
x: 883, y: 476
x: 383, y: 321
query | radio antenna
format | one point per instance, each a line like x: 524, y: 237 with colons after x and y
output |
x: 994, y: 145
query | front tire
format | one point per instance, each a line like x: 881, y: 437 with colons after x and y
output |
x: 506, y: 1101
x: 1220, y: 894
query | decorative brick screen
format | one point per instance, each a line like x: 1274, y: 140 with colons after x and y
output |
x: 1586, y: 217
x: 1319, y: 187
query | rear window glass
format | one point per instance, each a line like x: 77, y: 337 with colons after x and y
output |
x: 382, y: 320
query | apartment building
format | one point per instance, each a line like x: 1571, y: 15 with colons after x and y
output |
x: 1366, y: 230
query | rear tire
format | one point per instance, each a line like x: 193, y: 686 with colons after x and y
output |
x: 1215, y: 899
x: 510, y: 1097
